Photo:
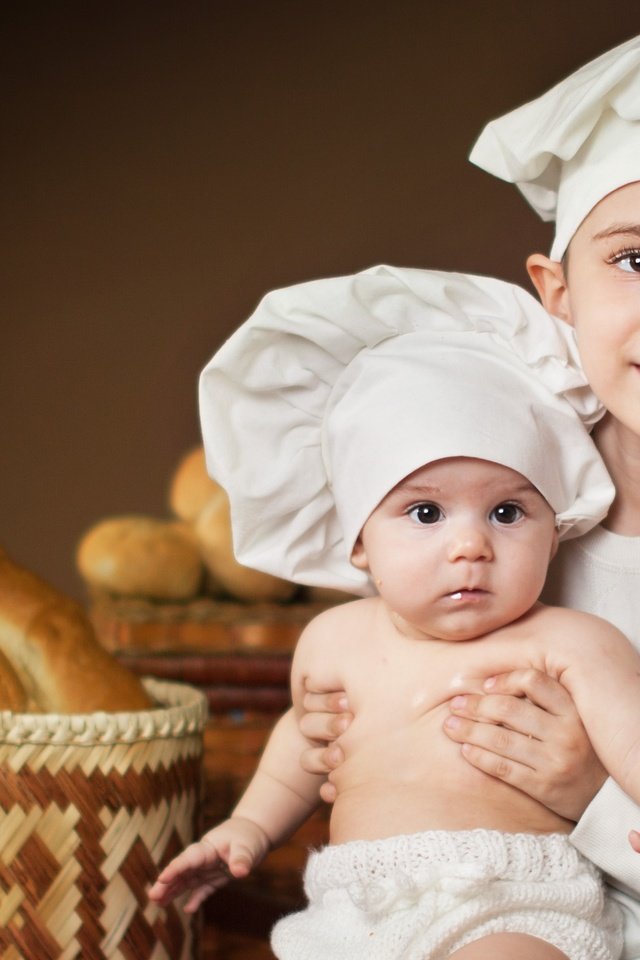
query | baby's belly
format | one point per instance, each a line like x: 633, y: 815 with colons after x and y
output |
x: 416, y: 779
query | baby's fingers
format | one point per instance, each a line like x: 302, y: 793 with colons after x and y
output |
x: 198, y: 896
x: 200, y: 864
x: 163, y: 893
x: 240, y: 860
x: 159, y: 893
x: 194, y: 858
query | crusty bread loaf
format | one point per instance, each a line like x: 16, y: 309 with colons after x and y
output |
x: 213, y: 531
x: 141, y: 557
x: 13, y: 695
x: 191, y: 486
x: 54, y: 655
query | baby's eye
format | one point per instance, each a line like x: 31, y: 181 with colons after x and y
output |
x: 506, y: 513
x: 628, y: 260
x: 425, y: 513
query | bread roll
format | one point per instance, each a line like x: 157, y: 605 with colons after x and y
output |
x: 213, y: 532
x: 191, y: 487
x: 138, y: 556
x: 54, y: 652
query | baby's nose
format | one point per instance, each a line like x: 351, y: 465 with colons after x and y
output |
x: 470, y: 543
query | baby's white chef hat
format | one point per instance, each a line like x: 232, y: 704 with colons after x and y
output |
x: 335, y: 390
x: 574, y: 145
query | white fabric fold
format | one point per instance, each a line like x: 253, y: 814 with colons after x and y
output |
x: 335, y: 390
x: 573, y: 145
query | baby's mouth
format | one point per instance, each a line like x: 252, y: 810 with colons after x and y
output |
x: 468, y: 593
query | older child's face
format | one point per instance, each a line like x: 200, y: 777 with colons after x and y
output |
x: 599, y: 295
x: 603, y: 279
x: 459, y: 548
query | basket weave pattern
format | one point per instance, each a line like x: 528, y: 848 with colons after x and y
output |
x: 90, y: 808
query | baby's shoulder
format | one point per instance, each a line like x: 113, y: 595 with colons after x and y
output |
x: 331, y: 644
x: 342, y: 620
x: 565, y: 621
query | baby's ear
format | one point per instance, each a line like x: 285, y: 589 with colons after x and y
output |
x: 359, y: 556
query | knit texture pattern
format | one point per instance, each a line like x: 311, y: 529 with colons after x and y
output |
x: 419, y: 897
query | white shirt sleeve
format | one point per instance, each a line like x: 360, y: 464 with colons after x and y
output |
x: 600, y: 573
x: 601, y: 835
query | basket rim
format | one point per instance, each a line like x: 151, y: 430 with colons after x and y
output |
x: 182, y: 712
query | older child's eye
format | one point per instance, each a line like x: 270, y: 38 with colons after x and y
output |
x: 627, y: 260
x: 425, y: 513
x: 506, y: 513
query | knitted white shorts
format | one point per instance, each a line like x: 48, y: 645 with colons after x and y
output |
x: 419, y: 897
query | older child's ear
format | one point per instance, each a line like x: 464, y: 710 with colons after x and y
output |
x: 359, y: 556
x: 548, y: 277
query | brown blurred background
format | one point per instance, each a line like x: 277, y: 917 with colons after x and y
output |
x: 165, y: 164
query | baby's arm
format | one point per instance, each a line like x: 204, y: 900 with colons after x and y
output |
x: 279, y: 797
x: 602, y: 674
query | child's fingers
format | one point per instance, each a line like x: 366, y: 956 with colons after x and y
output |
x: 634, y: 840
x: 321, y: 759
x: 202, y: 869
x: 239, y: 860
x: 158, y: 893
x: 324, y: 727
x: 333, y: 702
x: 541, y: 689
x: 199, y: 895
x: 328, y: 792
x: 200, y: 884
x: 163, y: 893
x: 175, y: 873
x: 196, y: 865
x: 196, y: 857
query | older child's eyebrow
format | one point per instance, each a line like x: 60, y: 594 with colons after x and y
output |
x: 629, y: 229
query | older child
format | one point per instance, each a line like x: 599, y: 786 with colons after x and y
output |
x: 575, y: 155
x: 336, y: 420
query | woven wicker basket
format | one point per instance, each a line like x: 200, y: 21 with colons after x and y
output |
x: 91, y: 806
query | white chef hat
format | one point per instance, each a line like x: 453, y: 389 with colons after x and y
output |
x: 574, y: 145
x: 335, y: 390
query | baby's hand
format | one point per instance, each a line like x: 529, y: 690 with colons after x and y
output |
x: 229, y: 850
x: 634, y: 840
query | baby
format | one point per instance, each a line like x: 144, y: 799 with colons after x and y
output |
x: 421, y: 436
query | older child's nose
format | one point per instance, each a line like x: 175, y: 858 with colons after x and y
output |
x: 470, y: 543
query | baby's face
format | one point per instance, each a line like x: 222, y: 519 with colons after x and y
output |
x: 603, y: 301
x: 458, y: 548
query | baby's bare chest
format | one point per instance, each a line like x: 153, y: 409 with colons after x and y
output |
x: 394, y: 684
